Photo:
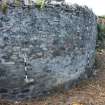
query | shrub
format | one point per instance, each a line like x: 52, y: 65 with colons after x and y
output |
x: 101, y: 32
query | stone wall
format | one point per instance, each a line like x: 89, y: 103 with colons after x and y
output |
x: 56, y: 44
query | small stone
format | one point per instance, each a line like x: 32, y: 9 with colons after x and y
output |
x: 45, y: 49
x: 1, y: 42
x: 8, y: 63
x: 14, y: 57
x: 25, y: 49
x: 4, y: 18
x: 1, y: 25
x: 39, y: 54
x: 16, y: 102
x: 3, y: 90
x: 29, y: 80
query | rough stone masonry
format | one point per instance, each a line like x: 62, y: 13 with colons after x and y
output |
x: 58, y: 43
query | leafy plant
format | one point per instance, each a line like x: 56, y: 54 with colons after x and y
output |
x: 4, y: 6
x: 101, y: 31
x: 17, y: 2
x: 102, y: 16
x: 40, y: 3
x: 100, y: 36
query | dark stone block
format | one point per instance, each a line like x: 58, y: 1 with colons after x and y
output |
x: 3, y: 90
x: 25, y: 90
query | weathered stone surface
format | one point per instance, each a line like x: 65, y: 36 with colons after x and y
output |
x: 59, y: 41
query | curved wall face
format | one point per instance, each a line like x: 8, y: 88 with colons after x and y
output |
x: 57, y: 43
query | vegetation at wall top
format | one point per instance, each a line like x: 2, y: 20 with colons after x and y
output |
x: 4, y: 4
